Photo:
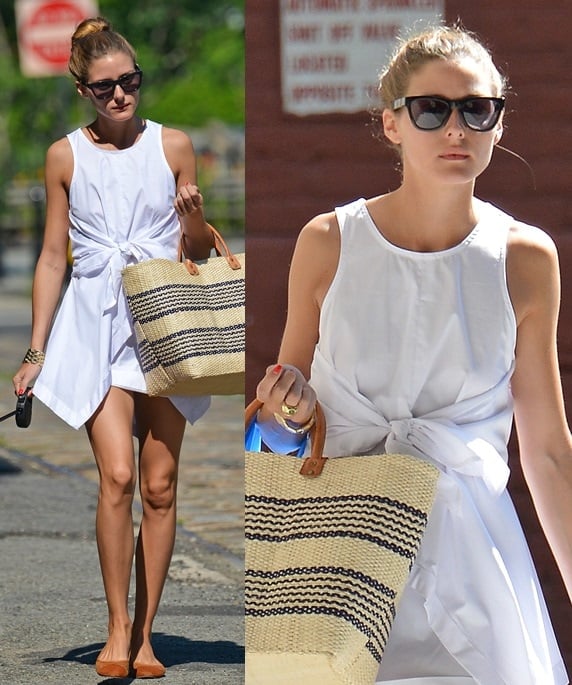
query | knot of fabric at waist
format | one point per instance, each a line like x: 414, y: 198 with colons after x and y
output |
x: 446, y: 436
x: 441, y: 443
x: 113, y: 256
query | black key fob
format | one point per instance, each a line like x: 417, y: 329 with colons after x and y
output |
x: 24, y: 409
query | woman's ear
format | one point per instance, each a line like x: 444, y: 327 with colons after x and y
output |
x: 389, y: 120
x: 498, y: 132
x: 81, y: 89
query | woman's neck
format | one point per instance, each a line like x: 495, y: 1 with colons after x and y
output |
x: 113, y: 135
x: 423, y: 219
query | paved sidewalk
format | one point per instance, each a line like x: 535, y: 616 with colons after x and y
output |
x: 52, y: 606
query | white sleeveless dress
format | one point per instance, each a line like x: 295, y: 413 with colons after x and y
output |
x: 121, y: 212
x: 415, y: 355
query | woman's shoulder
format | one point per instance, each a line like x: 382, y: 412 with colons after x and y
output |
x: 529, y: 242
x: 320, y: 224
x: 532, y: 269
x: 324, y: 230
x: 319, y: 236
x: 178, y: 149
x: 321, y: 233
x: 327, y: 225
x: 60, y: 148
x: 59, y: 158
x: 175, y: 138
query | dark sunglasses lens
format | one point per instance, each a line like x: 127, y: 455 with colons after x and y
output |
x: 131, y: 82
x: 480, y: 114
x: 103, y: 89
x: 429, y: 113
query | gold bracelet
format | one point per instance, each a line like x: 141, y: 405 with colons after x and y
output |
x: 34, y: 357
x: 296, y: 430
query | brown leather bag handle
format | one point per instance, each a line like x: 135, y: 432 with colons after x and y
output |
x: 313, y: 465
x: 220, y: 246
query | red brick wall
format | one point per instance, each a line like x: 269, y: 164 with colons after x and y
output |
x: 298, y: 167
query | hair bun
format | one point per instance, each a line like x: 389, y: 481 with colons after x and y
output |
x: 90, y: 26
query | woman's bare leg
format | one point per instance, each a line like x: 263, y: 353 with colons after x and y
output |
x: 110, y: 435
x: 160, y: 429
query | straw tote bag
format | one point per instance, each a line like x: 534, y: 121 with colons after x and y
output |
x: 329, y: 548
x: 189, y: 322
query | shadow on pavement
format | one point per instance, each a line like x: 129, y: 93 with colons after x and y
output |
x: 171, y: 650
x: 7, y: 468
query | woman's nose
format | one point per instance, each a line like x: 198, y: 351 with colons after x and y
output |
x: 455, y: 124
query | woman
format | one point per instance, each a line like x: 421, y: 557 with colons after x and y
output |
x: 427, y: 321
x: 123, y: 186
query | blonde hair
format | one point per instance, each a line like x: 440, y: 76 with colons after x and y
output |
x: 439, y: 43
x: 95, y: 38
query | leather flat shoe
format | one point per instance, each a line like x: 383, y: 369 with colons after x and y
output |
x: 148, y: 670
x: 112, y: 669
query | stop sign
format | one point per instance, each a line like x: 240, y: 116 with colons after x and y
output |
x: 45, y: 28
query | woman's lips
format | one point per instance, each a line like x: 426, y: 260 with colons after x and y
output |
x: 454, y: 156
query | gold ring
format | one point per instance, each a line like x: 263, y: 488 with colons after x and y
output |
x: 288, y: 410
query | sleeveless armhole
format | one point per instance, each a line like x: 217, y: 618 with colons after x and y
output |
x: 509, y: 220
x: 73, y: 142
x: 342, y: 216
x: 159, y: 134
x: 506, y: 291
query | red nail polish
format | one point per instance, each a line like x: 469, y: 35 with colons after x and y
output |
x: 21, y: 391
x: 277, y: 369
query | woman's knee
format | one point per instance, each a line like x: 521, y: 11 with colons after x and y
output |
x: 158, y: 493
x: 118, y: 481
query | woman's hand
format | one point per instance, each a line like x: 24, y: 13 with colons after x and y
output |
x: 188, y: 200
x: 25, y: 377
x: 285, y: 391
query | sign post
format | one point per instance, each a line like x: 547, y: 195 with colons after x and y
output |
x: 45, y: 28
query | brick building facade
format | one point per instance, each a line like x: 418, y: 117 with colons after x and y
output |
x: 300, y: 166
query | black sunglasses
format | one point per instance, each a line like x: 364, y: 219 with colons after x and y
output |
x: 429, y: 113
x: 129, y: 83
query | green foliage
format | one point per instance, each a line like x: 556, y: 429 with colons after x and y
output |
x: 192, y: 53
x: 202, y: 91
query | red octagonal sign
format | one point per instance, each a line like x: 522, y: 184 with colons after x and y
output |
x: 45, y: 28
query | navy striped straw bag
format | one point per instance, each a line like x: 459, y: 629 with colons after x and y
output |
x: 189, y: 322
x: 329, y: 547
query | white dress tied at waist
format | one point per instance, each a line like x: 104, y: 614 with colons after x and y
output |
x: 468, y: 551
x: 121, y: 212
x: 107, y: 259
x: 355, y: 426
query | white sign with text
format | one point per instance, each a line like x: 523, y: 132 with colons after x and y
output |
x: 333, y: 50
